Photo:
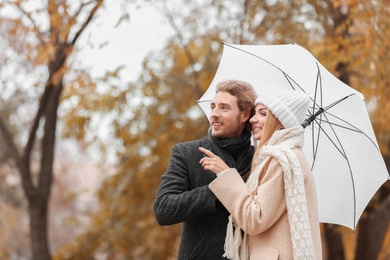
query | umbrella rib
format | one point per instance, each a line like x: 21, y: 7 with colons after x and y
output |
x: 200, y: 101
x: 315, y: 146
x: 330, y: 139
x: 289, y: 79
x: 340, y: 146
x: 318, y: 83
x: 341, y: 126
x: 346, y: 159
x: 338, y: 101
x: 353, y: 128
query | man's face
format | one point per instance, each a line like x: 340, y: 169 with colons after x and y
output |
x: 227, y: 121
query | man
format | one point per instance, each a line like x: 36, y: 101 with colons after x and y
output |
x: 184, y: 194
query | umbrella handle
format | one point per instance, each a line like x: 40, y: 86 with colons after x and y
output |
x: 308, y: 121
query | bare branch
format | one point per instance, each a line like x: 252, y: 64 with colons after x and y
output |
x: 53, y: 69
x: 23, y: 167
x: 28, y: 15
x: 9, y: 140
x: 72, y: 19
x: 82, y: 7
x: 43, y: 103
x: 190, y: 58
x: 87, y: 21
x: 243, y: 20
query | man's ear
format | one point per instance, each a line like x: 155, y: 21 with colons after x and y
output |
x: 246, y: 115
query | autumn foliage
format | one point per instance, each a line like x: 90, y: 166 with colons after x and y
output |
x: 148, y: 116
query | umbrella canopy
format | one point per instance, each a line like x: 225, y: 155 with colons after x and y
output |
x: 340, y: 143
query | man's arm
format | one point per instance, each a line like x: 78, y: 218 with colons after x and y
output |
x: 175, y: 200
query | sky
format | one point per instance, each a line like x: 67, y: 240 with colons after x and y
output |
x: 146, y: 31
x: 104, y: 47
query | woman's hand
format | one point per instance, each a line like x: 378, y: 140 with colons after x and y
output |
x: 212, y: 162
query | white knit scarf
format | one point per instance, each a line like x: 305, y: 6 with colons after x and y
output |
x: 279, y: 147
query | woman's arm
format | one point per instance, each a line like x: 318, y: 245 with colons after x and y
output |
x: 253, y: 213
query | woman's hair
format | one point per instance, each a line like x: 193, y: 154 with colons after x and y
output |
x: 271, y: 125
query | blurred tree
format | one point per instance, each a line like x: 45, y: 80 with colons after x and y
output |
x: 158, y: 110
x: 41, y: 36
x: 14, y: 235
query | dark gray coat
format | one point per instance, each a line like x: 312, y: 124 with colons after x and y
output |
x: 184, y: 196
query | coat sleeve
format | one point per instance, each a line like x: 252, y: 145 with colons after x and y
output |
x: 175, y: 200
x: 253, y: 213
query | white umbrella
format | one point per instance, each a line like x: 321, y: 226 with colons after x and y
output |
x: 340, y: 143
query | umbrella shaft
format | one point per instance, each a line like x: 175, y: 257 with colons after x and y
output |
x: 311, y: 118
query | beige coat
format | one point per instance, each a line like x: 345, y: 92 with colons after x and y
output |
x: 263, y: 216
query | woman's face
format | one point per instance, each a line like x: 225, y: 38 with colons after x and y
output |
x: 258, y: 120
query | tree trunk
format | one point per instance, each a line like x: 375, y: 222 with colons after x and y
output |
x: 38, y: 212
x: 334, y: 242
x: 374, y: 224
x: 372, y: 230
x: 39, y: 201
x: 379, y: 226
x: 38, y: 194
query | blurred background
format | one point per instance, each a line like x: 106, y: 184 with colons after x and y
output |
x: 94, y: 94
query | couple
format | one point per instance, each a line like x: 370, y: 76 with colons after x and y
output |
x: 272, y: 214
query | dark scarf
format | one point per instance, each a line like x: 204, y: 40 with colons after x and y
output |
x: 235, y: 152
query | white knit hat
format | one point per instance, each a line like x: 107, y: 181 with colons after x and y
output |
x: 288, y: 106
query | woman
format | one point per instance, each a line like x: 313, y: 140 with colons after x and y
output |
x: 277, y: 208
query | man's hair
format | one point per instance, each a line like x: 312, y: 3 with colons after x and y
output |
x: 245, y: 94
x: 243, y: 91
